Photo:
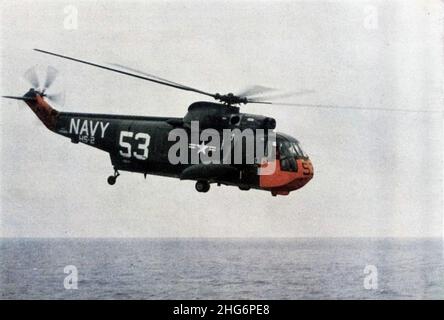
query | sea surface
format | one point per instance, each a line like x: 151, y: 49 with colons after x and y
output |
x: 222, y: 268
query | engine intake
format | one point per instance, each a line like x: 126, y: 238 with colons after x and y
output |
x: 212, y: 115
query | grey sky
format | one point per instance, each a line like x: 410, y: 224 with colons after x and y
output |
x: 376, y: 173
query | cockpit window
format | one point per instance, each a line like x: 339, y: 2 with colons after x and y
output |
x: 291, y: 149
x: 287, y: 154
x: 286, y: 149
x: 300, y: 152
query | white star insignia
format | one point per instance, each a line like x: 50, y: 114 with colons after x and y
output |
x: 201, y: 148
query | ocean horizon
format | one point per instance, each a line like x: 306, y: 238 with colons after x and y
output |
x: 219, y: 268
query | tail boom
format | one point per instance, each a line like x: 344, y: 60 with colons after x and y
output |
x: 42, y: 109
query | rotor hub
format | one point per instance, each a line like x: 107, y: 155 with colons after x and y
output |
x: 230, y: 99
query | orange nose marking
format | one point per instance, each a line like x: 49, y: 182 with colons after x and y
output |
x: 281, y: 182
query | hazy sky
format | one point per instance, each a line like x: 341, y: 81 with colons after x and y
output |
x: 376, y: 173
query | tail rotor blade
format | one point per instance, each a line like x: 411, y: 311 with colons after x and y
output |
x: 51, y: 75
x: 31, y: 76
x: 57, y: 98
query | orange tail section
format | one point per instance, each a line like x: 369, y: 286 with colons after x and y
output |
x: 42, y: 109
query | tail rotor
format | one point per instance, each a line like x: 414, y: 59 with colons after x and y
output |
x: 34, y: 75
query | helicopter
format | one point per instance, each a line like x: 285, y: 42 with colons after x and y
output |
x: 143, y: 144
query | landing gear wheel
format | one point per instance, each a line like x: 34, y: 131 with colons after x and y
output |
x: 112, y: 179
x: 202, y: 186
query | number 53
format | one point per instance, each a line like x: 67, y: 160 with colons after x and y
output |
x: 142, y: 148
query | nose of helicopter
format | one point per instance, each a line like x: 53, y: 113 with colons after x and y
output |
x: 304, y: 174
x: 282, y: 182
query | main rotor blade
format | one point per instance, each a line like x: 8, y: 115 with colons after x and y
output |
x: 19, y: 98
x: 305, y: 105
x: 149, y: 75
x: 280, y: 95
x: 254, y: 90
x: 163, y: 82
